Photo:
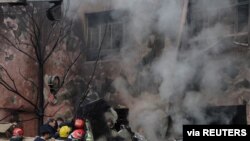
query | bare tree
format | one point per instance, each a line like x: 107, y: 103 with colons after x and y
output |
x: 32, y: 34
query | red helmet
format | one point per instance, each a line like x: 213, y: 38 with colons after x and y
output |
x: 79, y: 123
x: 78, y: 134
x: 18, y: 132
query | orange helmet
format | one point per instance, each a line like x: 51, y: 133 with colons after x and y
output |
x: 78, y: 134
x: 18, y: 132
x: 79, y: 123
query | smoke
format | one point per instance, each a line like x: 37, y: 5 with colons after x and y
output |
x: 187, y: 80
x: 164, y: 85
x: 151, y: 119
x: 74, y: 9
x: 212, y: 8
x: 149, y: 112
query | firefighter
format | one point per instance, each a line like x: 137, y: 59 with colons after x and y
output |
x: 59, y: 121
x: 45, y: 134
x: 17, y: 134
x: 52, y: 126
x: 64, y: 132
x: 77, y: 135
x: 79, y: 123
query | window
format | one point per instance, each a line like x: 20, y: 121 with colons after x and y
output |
x: 234, y: 18
x: 105, y: 29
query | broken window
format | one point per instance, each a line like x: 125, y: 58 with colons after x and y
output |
x: 105, y: 30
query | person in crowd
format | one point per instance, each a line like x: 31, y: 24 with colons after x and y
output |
x: 52, y: 126
x: 17, y: 134
x: 77, y: 135
x: 59, y: 121
x: 79, y: 123
x: 64, y: 132
x: 69, y: 123
x: 45, y: 134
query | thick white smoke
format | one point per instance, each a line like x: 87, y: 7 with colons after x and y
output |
x: 176, y: 75
x: 188, y: 80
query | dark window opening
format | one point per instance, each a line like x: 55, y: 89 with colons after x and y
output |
x: 105, y: 30
x: 233, y: 18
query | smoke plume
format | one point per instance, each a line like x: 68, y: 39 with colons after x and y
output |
x: 161, y: 82
x: 187, y: 80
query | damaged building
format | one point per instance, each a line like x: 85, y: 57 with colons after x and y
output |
x: 172, y: 62
x: 208, y: 53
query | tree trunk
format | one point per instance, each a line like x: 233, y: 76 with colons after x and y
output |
x: 41, y: 95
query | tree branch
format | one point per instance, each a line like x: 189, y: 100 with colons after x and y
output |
x: 51, y: 51
x: 26, y: 79
x: 6, y: 117
x: 17, y: 48
x: 62, y: 35
x: 36, y: 36
x: 58, y: 41
x: 85, y: 94
x: 34, y: 45
x: 49, y: 36
x: 67, y: 71
x: 13, y: 89
x: 26, y: 44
